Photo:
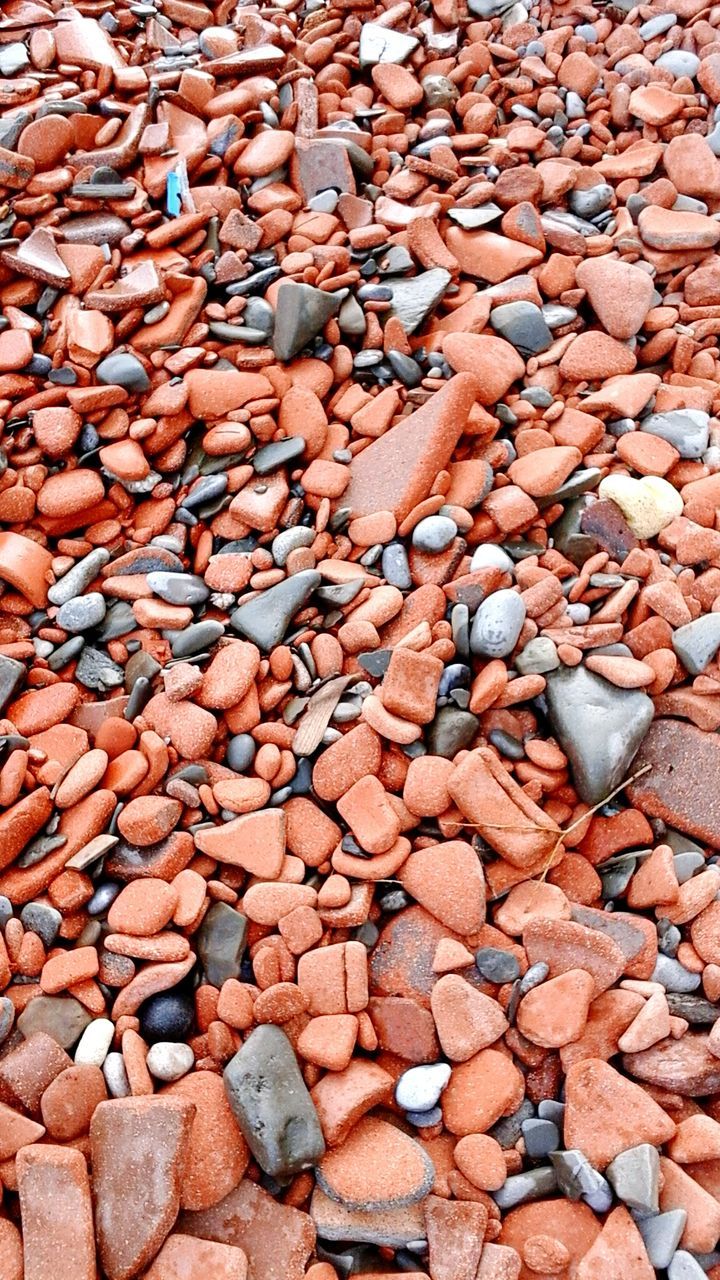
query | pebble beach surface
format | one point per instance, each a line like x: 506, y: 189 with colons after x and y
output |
x: 359, y: 636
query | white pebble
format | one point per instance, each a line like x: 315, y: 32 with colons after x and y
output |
x: 490, y: 556
x: 94, y: 1042
x: 419, y: 1088
x: 116, y: 1079
x: 167, y: 1060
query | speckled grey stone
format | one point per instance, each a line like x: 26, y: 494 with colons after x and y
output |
x: 497, y: 624
x: 82, y: 613
x: 41, y: 919
x: 74, y: 582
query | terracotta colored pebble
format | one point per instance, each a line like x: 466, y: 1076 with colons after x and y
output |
x: 68, y: 1103
x: 194, y: 1259
x: 63, y: 1242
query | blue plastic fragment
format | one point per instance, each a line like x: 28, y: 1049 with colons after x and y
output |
x: 173, y: 198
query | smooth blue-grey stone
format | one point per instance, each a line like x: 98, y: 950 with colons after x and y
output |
x: 661, y: 1235
x: 123, y: 370
x: 240, y: 752
x: 178, y: 588
x: 533, y: 1184
x: 497, y: 965
x: 541, y: 1137
x: 673, y: 976
x: 415, y: 298
x: 74, y: 582
x: 12, y: 673
x: 489, y: 556
x: 684, y: 1267
x: 196, y: 638
x: 679, y: 62
x: 523, y: 325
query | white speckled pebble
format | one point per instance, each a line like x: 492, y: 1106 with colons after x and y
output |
x: 93, y: 1045
x: 167, y: 1060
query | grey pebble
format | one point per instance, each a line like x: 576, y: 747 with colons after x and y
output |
x: 207, y: 489
x: 178, y: 588
x: 82, y: 613
x: 196, y: 638
x: 384, y: 44
x: 523, y: 325
x: 697, y: 642
x: 424, y: 1119
x: 419, y: 1088
x: 599, y: 726
x: 434, y: 534
x: 395, y: 566
x: 123, y: 370
x: 265, y: 619
x: 497, y: 624
x: 661, y: 1235
x: 533, y: 976
x: 116, y: 1079
x: 509, y: 1129
x: 301, y: 312
x: 541, y: 1137
x: 684, y: 1267
x: 240, y: 752
x: 74, y: 582
x: 271, y: 1104
x: 549, y: 1109
x: 451, y: 731
x: 686, y: 864
x: 62, y: 1017
x: 497, y: 965
x: 7, y: 1017
x: 679, y: 62
x: 523, y: 1187
x: 657, y: 26
x: 539, y: 656
x: 489, y: 556
x: 96, y: 670
x: 221, y: 943
x: 42, y: 920
x: 579, y: 1181
x: 673, y: 976
x: 479, y: 216
x: 6, y: 910
x: 277, y: 454
x: 414, y: 299
x: 12, y: 673
x: 13, y: 58
x: 289, y: 540
x: 635, y: 1176
x: 687, y: 430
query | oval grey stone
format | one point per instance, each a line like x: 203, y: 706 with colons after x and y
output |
x: 497, y: 624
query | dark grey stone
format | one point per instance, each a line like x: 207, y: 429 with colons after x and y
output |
x: 196, y: 638
x: 277, y: 454
x: 523, y: 325
x: 221, y: 943
x: 497, y: 965
x: 451, y: 731
x: 42, y: 920
x: 265, y: 619
x: 272, y: 1105
x: 302, y: 311
x: 123, y: 370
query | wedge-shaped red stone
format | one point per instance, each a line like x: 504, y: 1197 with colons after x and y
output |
x: 138, y: 1147
x: 56, y: 1210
